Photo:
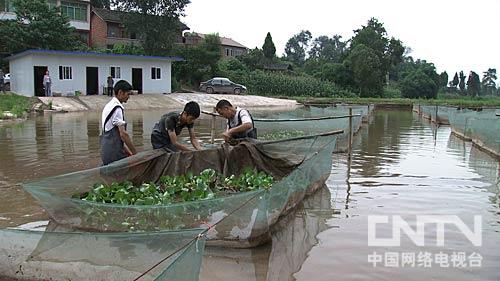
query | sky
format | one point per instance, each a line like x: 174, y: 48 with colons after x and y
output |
x: 453, y: 34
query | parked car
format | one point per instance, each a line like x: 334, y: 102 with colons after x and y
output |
x: 221, y: 85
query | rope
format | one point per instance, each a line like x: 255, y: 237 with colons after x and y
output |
x: 197, y: 237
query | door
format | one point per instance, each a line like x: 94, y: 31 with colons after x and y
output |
x: 137, y: 79
x: 92, y: 81
x: 39, y: 72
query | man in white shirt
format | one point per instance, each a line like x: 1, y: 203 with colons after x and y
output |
x: 115, y: 141
x: 239, y: 121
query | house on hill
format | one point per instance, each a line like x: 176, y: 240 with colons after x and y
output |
x: 78, y: 12
x: 230, y: 48
x: 108, y: 29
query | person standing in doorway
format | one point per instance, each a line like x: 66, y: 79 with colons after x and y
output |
x: 115, y: 141
x: 110, y: 83
x: 2, y: 81
x: 47, y: 83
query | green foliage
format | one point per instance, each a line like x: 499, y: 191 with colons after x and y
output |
x: 488, y: 84
x: 337, y: 73
x: 268, y: 48
x: 277, y: 84
x: 418, y: 85
x: 37, y: 27
x: 254, y: 59
x: 200, y: 62
x: 455, y: 81
x: 184, y: 188
x: 17, y: 105
x: 329, y: 49
x: 231, y: 64
x: 461, y: 84
x: 128, y: 49
x: 295, y: 48
x: 156, y: 22
x: 473, y: 84
x: 367, y: 71
x: 443, y: 80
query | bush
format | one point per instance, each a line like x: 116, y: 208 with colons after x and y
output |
x: 418, y: 85
x: 278, y: 84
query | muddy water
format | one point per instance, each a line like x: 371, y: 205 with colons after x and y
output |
x: 401, y: 166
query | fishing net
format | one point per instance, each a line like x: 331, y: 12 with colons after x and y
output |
x: 439, y: 114
x: 54, y: 255
x: 482, y: 127
x: 312, y: 120
x: 299, y: 166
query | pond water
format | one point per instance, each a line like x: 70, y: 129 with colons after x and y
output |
x: 401, y: 167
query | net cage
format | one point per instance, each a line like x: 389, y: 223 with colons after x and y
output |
x: 311, y: 120
x: 58, y: 255
x: 438, y: 114
x: 299, y: 166
x: 481, y: 127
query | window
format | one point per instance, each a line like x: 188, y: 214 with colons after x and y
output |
x: 114, y: 30
x: 52, y: 4
x: 74, y: 11
x: 115, y: 72
x: 6, y: 6
x: 155, y: 73
x: 65, y: 73
x: 225, y: 82
x: 227, y: 52
x: 232, y: 53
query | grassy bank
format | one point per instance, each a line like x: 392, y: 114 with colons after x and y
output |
x: 15, y: 104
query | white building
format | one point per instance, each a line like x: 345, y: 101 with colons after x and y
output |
x: 87, y: 72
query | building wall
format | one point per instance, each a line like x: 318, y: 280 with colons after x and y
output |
x: 98, y: 32
x: 23, y: 67
x: 230, y: 51
x: 21, y: 71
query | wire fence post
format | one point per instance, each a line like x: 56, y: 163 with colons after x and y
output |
x: 436, y: 121
x: 349, y: 140
x: 212, y: 129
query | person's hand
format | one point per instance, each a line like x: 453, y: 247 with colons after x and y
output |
x: 226, y: 135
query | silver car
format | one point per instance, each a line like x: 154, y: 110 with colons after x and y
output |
x: 221, y: 85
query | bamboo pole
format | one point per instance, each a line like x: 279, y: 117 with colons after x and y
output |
x: 212, y: 129
x: 350, y: 132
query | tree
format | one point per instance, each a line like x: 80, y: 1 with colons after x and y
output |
x: 488, y: 84
x: 200, y: 61
x: 461, y: 84
x: 418, y: 85
x: 473, y: 84
x: 100, y: 4
x: 374, y: 36
x: 268, y: 48
x: 366, y: 68
x: 37, y: 27
x: 254, y: 59
x: 455, y: 81
x: 443, y: 77
x: 295, y: 49
x: 330, y: 49
x: 156, y: 22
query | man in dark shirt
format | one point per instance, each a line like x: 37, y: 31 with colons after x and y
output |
x: 165, y: 132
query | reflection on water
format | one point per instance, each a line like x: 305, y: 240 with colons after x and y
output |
x: 401, y: 165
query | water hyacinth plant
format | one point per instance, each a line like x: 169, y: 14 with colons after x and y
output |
x: 171, y: 189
